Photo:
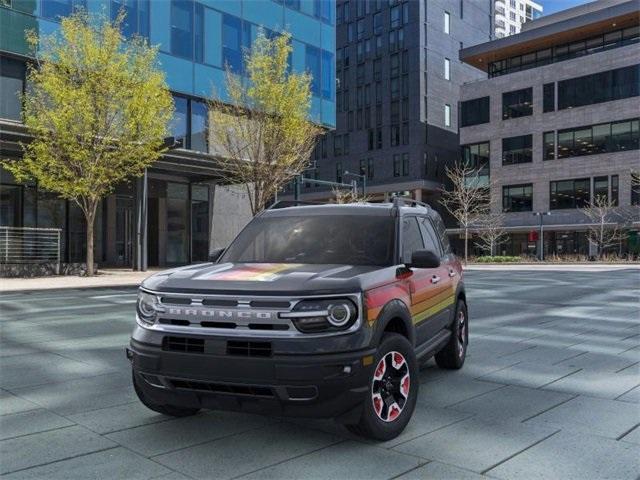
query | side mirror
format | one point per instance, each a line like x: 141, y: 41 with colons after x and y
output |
x: 424, y: 259
x: 214, y: 255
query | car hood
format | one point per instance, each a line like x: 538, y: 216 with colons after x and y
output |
x: 261, y: 279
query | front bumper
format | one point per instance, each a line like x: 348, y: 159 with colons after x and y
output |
x: 299, y: 385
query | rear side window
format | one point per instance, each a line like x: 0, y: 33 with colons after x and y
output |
x: 441, y: 231
x: 431, y: 241
x: 411, y: 238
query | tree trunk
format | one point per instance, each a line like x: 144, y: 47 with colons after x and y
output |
x: 90, y: 217
x: 466, y: 244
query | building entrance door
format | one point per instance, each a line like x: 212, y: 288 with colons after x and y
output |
x: 124, y: 231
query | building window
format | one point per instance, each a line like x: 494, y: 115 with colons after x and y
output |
x: 566, y: 51
x: 447, y: 115
x: 602, y: 138
x: 599, y: 87
x: 345, y: 144
x: 570, y: 194
x: 232, y: 43
x: 474, y: 112
x: 378, y: 139
x: 635, y: 189
x: 394, y: 17
x: 337, y: 145
x: 396, y: 165
x: 370, y: 172
x: 328, y: 75
x: 12, y: 81
x: 339, y: 172
x: 55, y: 9
x: 312, y: 63
x: 477, y: 156
x: 405, y: 164
x: 447, y: 23
x: 394, y: 131
x: 548, y: 145
x: 377, y: 23
x: 601, y: 188
x: 517, y: 198
x: 136, y: 20
x: 615, y: 189
x: 179, y: 124
x: 447, y: 69
x: 517, y: 103
x: 549, y: 97
x: 182, y: 28
x: 516, y: 150
x: 198, y: 130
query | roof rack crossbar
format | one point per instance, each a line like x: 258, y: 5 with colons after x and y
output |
x: 291, y: 203
x: 399, y: 200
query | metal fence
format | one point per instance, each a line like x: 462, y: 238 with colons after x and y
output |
x: 30, y: 245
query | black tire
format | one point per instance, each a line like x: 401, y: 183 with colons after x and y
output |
x: 453, y: 354
x: 371, y: 424
x: 170, y: 410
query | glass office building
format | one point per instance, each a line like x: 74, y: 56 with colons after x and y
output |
x: 164, y: 218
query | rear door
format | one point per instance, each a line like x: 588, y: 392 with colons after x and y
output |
x: 442, y: 300
x: 422, y: 283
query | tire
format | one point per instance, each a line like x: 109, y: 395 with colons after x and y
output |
x: 396, y: 378
x: 170, y: 410
x: 453, y: 354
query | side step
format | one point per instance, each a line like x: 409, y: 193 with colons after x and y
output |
x: 430, y: 348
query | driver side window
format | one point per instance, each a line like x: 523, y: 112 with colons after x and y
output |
x: 411, y: 238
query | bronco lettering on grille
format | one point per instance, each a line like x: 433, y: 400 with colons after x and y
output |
x: 211, y: 313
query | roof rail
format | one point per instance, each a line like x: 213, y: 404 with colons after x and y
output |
x: 400, y: 201
x: 291, y: 203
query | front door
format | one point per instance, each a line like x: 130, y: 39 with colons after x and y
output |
x: 124, y: 231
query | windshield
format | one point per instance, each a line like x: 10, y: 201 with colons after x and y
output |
x: 317, y: 239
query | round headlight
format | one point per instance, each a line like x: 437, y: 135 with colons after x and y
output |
x: 147, y: 307
x: 339, y: 314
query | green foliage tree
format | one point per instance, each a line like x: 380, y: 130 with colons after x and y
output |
x: 98, y: 108
x: 261, y: 131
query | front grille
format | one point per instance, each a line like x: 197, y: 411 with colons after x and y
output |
x: 250, y: 390
x: 249, y: 349
x: 183, y: 344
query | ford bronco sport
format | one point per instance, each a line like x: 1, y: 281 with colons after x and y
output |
x: 318, y: 311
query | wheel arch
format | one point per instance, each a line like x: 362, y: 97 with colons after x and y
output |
x: 394, y: 317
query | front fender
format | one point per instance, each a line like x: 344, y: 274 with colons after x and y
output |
x: 395, y: 310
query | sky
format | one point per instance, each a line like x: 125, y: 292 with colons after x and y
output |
x: 553, y: 6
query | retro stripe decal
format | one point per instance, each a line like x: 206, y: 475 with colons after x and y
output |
x: 258, y: 272
x: 427, y: 299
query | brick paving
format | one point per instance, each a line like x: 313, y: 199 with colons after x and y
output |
x: 551, y: 389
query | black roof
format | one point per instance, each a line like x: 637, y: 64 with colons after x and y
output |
x: 371, y: 209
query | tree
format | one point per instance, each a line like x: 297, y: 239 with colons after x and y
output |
x: 262, y: 129
x: 466, y: 199
x: 98, y: 108
x: 343, y: 195
x: 605, y: 229
x: 491, y: 231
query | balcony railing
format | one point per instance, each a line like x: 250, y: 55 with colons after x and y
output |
x: 30, y: 245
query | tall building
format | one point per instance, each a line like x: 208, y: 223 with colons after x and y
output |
x: 165, y: 219
x: 510, y: 15
x: 557, y: 123
x: 398, y: 83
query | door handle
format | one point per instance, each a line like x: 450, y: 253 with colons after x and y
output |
x: 435, y: 279
x: 452, y: 273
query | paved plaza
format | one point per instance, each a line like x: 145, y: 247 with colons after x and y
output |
x: 551, y: 389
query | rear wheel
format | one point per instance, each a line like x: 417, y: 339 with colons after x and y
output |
x: 393, y: 391
x: 170, y: 410
x: 452, y: 356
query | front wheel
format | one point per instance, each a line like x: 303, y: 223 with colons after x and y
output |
x: 453, y: 354
x: 393, y: 390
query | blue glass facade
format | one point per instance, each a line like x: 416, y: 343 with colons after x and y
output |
x: 198, y: 38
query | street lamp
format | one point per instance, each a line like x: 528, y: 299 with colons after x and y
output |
x: 364, y: 181
x: 541, y: 215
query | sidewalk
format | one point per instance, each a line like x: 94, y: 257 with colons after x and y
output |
x: 554, y: 267
x: 105, y: 278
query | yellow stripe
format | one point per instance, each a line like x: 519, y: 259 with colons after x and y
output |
x: 430, y: 302
x: 435, y: 309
